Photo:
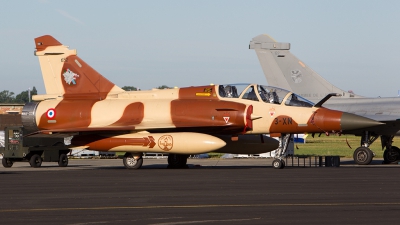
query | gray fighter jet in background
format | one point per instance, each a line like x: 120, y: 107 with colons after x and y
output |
x: 283, y: 69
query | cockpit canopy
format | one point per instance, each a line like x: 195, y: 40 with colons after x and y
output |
x: 263, y: 93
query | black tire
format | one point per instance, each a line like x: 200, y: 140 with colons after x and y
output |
x: 63, y: 160
x: 278, y: 164
x: 177, y: 161
x: 391, y: 155
x: 7, y: 163
x: 130, y: 162
x: 35, y: 161
x: 363, y: 156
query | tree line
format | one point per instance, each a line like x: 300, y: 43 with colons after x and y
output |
x: 7, y: 96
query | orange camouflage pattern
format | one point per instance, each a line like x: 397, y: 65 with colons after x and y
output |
x: 182, y: 120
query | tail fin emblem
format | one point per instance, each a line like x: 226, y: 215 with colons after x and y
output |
x: 296, y: 76
x: 70, y: 77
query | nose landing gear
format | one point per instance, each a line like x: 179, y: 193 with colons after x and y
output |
x: 279, y: 163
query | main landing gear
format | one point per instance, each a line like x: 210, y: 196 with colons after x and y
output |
x: 135, y: 160
x: 132, y: 160
x: 176, y: 161
x: 278, y: 162
x: 363, y: 155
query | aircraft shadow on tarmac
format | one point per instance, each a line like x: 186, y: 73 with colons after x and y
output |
x: 6, y: 172
x: 215, y: 165
x: 189, y: 166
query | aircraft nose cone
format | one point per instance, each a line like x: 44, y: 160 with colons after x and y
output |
x: 350, y: 121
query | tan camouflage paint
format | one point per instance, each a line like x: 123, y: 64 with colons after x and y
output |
x: 79, y: 99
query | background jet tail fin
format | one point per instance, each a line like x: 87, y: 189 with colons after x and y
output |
x: 283, y: 69
x: 67, y: 75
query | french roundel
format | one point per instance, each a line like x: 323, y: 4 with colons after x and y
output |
x: 51, y: 113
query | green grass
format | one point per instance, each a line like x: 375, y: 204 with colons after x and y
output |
x: 215, y: 155
x: 335, y: 145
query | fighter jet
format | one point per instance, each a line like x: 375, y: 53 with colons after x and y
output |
x: 182, y: 121
x: 283, y: 69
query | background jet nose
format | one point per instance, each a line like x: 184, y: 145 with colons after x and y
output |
x: 350, y: 121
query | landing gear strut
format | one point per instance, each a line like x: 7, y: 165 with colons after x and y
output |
x: 278, y: 162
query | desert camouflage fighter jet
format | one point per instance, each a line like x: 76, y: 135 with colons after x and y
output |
x: 283, y: 69
x: 184, y: 121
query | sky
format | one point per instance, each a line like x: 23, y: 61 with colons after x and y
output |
x: 353, y: 44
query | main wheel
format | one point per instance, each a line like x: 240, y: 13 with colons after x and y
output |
x: 363, y: 156
x: 7, y: 163
x: 63, y: 160
x: 132, y: 162
x: 391, y: 155
x: 35, y: 161
x: 177, y: 161
x: 278, y: 164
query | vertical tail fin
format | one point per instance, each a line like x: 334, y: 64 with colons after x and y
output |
x: 66, y: 75
x: 283, y: 69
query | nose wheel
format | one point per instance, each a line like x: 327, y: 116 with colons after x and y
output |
x: 278, y: 164
x: 363, y: 156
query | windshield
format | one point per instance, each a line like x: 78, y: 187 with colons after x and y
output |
x: 297, y: 100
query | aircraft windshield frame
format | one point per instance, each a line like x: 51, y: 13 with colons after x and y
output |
x: 262, y: 93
